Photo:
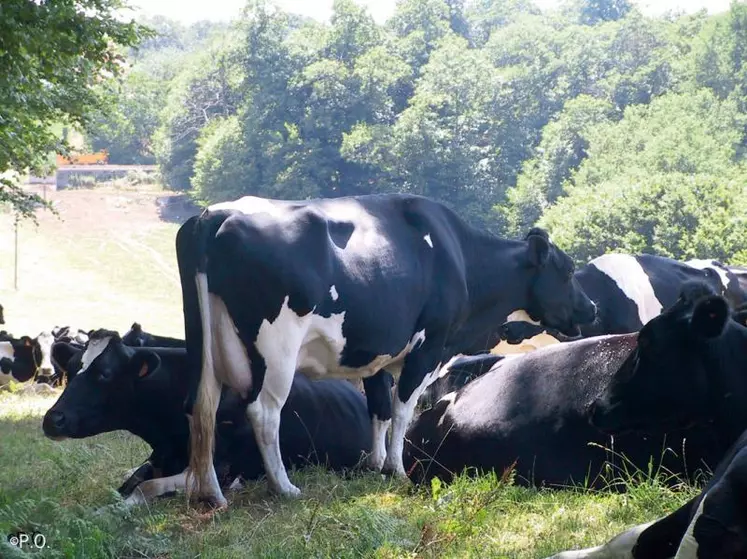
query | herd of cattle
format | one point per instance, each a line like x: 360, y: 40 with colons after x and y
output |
x: 644, y: 353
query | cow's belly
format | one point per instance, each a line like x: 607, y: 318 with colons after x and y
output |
x: 322, y: 348
x: 230, y: 357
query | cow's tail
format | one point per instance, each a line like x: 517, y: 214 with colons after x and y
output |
x: 202, y: 426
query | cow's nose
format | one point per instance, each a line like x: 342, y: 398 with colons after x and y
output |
x: 46, y: 372
x: 56, y: 420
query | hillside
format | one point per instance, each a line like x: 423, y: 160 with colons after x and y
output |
x: 106, y: 261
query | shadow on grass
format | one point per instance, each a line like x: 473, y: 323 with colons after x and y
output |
x: 176, y: 208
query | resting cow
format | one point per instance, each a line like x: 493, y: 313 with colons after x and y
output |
x: 688, y: 370
x: 142, y: 390
x: 348, y: 287
x: 535, y: 410
x: 712, y: 525
x: 137, y: 337
x: 23, y: 359
x: 631, y: 290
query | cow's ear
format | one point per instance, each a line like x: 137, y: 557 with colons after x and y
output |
x: 709, y: 317
x: 27, y: 342
x: 144, y: 363
x: 538, y: 249
x: 136, y: 327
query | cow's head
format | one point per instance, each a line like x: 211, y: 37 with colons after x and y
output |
x: 555, y: 297
x: 46, y: 369
x: 100, y: 396
x: 135, y: 336
x: 726, y: 281
x: 679, y: 372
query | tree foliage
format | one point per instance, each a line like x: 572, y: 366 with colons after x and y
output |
x: 614, y: 130
x: 51, y: 54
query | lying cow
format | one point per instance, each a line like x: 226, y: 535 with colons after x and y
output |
x: 534, y: 411
x: 137, y: 337
x: 688, y: 369
x: 23, y: 359
x: 712, y: 525
x: 142, y: 390
x: 628, y: 291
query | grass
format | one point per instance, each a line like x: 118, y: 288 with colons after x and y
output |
x: 110, y: 262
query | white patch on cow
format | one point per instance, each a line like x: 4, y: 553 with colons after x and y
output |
x: 688, y: 548
x: 632, y: 280
x: 6, y: 352
x: 619, y: 547
x: 378, y: 449
x: 236, y: 485
x: 333, y: 293
x: 95, y: 347
x: 446, y: 369
x: 46, y: 340
x: 401, y: 416
x: 229, y: 354
x: 250, y: 205
x: 450, y: 397
x: 710, y: 264
x: 520, y: 315
x: 152, y: 488
x: 428, y: 240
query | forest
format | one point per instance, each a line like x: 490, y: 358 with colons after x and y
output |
x: 615, y: 131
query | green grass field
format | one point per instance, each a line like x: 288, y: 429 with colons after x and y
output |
x: 110, y: 262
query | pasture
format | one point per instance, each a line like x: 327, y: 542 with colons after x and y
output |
x: 110, y: 261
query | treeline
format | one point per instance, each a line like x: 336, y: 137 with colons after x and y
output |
x: 613, y: 130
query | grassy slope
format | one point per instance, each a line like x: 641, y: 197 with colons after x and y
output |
x: 112, y: 262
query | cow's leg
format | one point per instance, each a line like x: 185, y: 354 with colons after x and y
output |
x: 379, y: 398
x: 420, y: 369
x: 619, y: 547
x: 157, y: 487
x: 264, y: 415
x: 135, y: 477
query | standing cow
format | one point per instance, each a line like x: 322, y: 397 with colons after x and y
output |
x: 348, y: 287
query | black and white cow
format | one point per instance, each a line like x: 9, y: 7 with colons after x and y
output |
x: 25, y: 358
x: 70, y: 335
x: 137, y: 337
x: 740, y: 272
x: 711, y: 525
x: 629, y: 290
x: 733, y: 288
x: 688, y: 369
x: 142, y: 390
x: 348, y: 287
x: 540, y: 411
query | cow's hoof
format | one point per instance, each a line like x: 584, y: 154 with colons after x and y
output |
x: 397, y: 472
x: 290, y: 491
x: 216, y: 502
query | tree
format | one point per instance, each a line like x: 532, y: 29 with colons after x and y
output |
x: 53, y: 52
x: 126, y: 126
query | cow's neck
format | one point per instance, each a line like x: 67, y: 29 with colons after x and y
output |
x: 161, y: 423
x: 497, y: 277
x: 497, y: 281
